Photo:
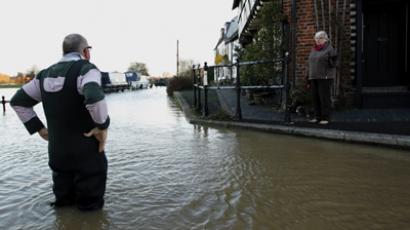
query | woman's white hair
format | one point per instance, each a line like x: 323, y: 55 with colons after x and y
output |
x: 321, y: 34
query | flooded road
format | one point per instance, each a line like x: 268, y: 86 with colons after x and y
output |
x: 165, y: 173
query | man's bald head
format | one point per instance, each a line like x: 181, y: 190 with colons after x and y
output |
x: 74, y: 43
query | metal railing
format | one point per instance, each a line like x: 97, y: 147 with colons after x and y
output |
x: 201, y: 85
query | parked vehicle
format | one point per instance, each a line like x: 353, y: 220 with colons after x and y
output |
x: 161, y: 82
x: 105, y: 80
x: 114, y: 82
x: 143, y: 83
x: 132, y: 79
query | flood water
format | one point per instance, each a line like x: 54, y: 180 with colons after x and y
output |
x: 165, y: 173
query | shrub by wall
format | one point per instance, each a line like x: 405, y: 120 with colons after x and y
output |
x: 179, y: 83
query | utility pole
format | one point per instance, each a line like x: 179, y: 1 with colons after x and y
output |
x: 177, y: 58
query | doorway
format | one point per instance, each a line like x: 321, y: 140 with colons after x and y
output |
x: 385, y: 43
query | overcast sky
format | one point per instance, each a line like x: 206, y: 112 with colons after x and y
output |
x: 120, y: 31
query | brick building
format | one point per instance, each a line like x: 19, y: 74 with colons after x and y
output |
x: 372, y: 38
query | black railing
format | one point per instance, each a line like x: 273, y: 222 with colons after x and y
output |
x: 202, y: 83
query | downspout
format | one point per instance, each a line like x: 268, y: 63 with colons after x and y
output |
x: 285, y: 34
x: 284, y: 51
x: 407, y: 39
x: 293, y: 32
x: 359, y: 53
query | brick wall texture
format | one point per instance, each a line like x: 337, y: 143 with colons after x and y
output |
x: 305, y: 30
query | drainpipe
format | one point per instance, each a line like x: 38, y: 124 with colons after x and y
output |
x: 407, y: 39
x: 359, y: 53
x: 293, y: 32
x: 284, y: 49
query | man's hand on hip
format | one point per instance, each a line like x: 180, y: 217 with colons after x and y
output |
x: 100, y: 135
x: 43, y: 133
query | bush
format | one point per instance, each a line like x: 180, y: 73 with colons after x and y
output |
x: 178, y: 84
x: 301, y: 100
x: 267, y: 44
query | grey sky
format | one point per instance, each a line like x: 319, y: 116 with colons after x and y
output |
x: 120, y: 31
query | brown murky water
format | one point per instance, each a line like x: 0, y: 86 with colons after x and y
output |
x: 165, y: 173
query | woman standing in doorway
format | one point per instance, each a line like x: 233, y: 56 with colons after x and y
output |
x: 322, y: 70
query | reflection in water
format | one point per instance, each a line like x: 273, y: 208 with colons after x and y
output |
x: 201, y: 129
x: 165, y: 173
x: 70, y: 218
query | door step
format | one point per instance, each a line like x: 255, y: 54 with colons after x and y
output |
x: 386, y: 97
x: 390, y: 89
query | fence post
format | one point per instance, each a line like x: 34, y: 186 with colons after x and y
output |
x: 238, y: 91
x: 287, y: 91
x: 199, y: 88
x: 3, y: 101
x: 205, y: 109
x: 194, y: 84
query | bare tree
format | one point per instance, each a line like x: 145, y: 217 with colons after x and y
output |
x: 323, y: 15
x: 316, y: 14
x: 330, y: 18
x: 139, y: 67
x: 186, y: 65
x: 31, y: 72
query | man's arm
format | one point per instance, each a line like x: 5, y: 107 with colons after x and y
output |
x: 90, y: 87
x: 23, y: 102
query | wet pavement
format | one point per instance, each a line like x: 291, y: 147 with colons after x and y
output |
x: 376, y: 126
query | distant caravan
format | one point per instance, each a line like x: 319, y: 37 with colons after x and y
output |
x: 137, y: 81
x: 114, y: 82
x: 132, y: 79
x: 143, y: 83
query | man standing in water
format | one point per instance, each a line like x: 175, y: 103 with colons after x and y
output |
x: 77, y: 121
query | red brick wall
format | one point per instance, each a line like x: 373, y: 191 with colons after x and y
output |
x: 304, y: 36
x: 305, y: 30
